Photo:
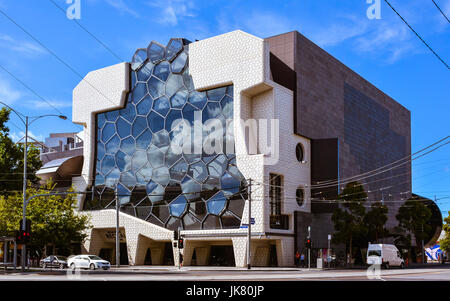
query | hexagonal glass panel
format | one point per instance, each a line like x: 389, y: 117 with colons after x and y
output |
x: 162, y: 71
x: 179, y: 99
x: 145, y: 72
x: 161, y: 105
x: 123, y: 128
x: 155, y: 121
x: 155, y: 87
x: 139, y: 58
x: 144, y: 106
x: 144, y: 140
x: 173, y: 48
x: 216, y: 204
x: 178, y: 206
x: 179, y: 63
x: 155, y: 52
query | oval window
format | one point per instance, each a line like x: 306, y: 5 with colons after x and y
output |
x: 300, y: 196
x: 299, y: 152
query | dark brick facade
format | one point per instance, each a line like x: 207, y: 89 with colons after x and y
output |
x: 332, y: 101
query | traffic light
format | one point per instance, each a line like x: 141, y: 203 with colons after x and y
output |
x: 308, y: 243
x: 180, y: 243
x: 175, y: 235
x: 24, y: 236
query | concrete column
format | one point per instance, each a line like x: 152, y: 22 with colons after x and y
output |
x: 132, y: 239
x: 285, y: 252
x: 188, y: 251
x: 240, y: 251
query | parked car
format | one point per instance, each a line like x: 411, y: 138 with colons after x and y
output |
x: 385, y: 255
x: 54, y: 261
x: 91, y: 262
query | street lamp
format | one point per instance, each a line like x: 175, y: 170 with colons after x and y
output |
x: 26, y: 121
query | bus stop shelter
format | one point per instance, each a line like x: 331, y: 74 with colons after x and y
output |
x: 8, y: 252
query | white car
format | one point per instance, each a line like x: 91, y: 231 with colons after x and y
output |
x: 384, y: 254
x: 91, y: 262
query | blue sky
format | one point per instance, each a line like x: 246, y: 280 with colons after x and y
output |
x: 384, y: 51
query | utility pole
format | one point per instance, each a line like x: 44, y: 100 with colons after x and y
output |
x: 249, y: 265
x: 179, y: 250
x: 117, y: 233
x: 309, y: 249
x: 328, y: 251
x: 423, y: 248
x: 25, y: 155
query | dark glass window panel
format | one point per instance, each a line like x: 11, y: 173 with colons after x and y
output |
x: 99, y: 179
x: 128, y: 209
x: 128, y: 179
x: 187, y: 80
x: 145, y: 72
x: 144, y: 174
x: 139, y: 197
x: 173, y: 48
x: 230, y: 91
x: 162, y: 71
x: 155, y: 192
x: 139, y: 125
x: 198, y: 209
x: 212, y: 222
x: 198, y: 99
x: 179, y: 99
x: 217, y: 203
x: 101, y: 119
x: 139, y: 58
x: 161, y: 175
x: 172, y: 157
x: 144, y: 106
x: 155, y: 121
x: 173, y: 84
x: 275, y: 194
x: 191, y: 223
x: 155, y: 52
x: 300, y: 196
x: 173, y: 119
x: 123, y: 128
x: 155, y: 87
x: 178, y: 206
x: 191, y: 189
x: 161, y: 105
x: 211, y: 183
x: 299, y: 152
x: 229, y: 221
x: 174, y: 223
x: 188, y: 113
x: 152, y: 219
x: 100, y: 150
x: 108, y: 131
x: 143, y: 212
x: 236, y: 205
x: 179, y: 63
x: 107, y: 197
x: 144, y: 140
x: 161, y: 211
x: 139, y: 91
x: 112, y: 177
x: 127, y: 145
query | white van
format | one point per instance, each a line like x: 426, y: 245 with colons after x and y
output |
x: 385, y: 255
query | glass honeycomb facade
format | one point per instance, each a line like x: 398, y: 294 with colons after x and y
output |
x: 135, y: 161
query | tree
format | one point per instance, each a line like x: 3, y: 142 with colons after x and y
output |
x: 413, y: 217
x: 53, y: 218
x: 348, y: 218
x: 11, y: 159
x: 375, y: 221
x: 445, y: 242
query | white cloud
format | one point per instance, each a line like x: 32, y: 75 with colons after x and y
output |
x: 172, y: 11
x: 8, y: 94
x: 16, y: 136
x: 25, y: 48
x: 122, y: 7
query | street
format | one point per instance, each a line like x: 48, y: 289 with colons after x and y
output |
x: 432, y: 273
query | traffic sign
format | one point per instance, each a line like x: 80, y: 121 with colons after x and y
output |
x: 244, y: 226
x: 252, y: 220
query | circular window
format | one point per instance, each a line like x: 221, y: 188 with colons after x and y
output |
x: 300, y: 196
x: 299, y: 152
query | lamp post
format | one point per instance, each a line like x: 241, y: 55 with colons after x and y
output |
x: 26, y: 121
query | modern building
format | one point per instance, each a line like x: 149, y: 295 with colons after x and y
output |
x: 293, y: 121
x: 62, y: 159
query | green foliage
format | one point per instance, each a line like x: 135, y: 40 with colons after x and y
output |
x: 11, y: 159
x: 53, y: 218
x: 348, y: 219
x: 445, y: 242
x: 375, y: 221
x: 413, y: 216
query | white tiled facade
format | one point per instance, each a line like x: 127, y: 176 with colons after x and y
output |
x: 234, y: 58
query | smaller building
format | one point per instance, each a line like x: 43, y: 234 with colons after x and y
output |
x: 62, y: 158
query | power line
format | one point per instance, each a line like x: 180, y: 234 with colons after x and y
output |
x: 441, y: 11
x: 90, y: 33
x: 412, y: 29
